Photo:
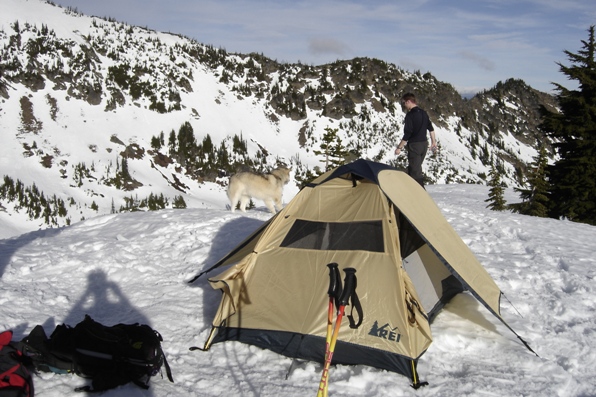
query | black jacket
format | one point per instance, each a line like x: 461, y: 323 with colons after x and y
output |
x: 416, y: 125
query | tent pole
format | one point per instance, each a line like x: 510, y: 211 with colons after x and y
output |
x: 416, y: 384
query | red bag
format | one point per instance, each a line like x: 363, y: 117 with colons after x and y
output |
x: 15, y: 378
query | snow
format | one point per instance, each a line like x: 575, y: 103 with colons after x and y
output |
x: 81, y: 133
x: 78, y: 134
x: 134, y: 267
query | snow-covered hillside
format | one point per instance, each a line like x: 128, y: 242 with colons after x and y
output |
x: 80, y: 94
x: 73, y: 132
x: 133, y: 267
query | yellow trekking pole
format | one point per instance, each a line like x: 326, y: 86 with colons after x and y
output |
x: 349, y: 286
x: 334, y: 293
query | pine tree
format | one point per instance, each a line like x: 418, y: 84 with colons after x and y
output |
x: 496, y: 200
x: 125, y: 173
x: 535, y: 198
x: 187, y: 144
x: 572, y: 177
x: 332, y: 149
x: 239, y: 145
x: 179, y: 202
x: 172, y: 143
x: 155, y: 143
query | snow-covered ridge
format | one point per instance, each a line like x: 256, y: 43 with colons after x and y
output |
x: 79, y: 94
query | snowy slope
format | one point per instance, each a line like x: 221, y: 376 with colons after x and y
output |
x: 81, y: 133
x: 75, y: 133
x: 133, y: 267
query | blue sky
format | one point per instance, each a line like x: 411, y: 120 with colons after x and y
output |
x: 471, y: 44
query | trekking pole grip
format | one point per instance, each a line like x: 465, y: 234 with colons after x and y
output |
x: 335, y: 287
x: 333, y: 272
x: 349, y: 286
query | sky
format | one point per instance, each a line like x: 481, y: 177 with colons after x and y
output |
x: 471, y: 44
x: 134, y: 267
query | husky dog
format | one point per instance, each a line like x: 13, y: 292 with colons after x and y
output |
x: 267, y: 187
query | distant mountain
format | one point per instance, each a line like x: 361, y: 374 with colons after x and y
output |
x: 98, y: 116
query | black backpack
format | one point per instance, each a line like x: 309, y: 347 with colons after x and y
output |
x: 15, y: 378
x: 109, y: 356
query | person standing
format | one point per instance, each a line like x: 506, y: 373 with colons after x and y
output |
x: 416, y: 124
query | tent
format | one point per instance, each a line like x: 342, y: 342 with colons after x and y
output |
x: 368, y: 216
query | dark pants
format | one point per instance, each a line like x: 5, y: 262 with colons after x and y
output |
x: 416, y: 154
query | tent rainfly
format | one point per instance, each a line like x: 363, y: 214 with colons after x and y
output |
x: 368, y: 216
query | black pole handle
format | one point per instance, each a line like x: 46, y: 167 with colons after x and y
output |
x: 335, y: 287
x: 349, y: 286
x: 333, y: 270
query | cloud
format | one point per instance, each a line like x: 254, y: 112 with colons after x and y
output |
x: 516, y: 38
x: 482, y: 62
x: 327, y: 46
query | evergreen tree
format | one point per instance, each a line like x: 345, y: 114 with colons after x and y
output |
x: 155, y: 143
x: 223, y: 157
x: 572, y: 177
x: 172, y: 142
x: 496, y: 200
x: 187, y: 144
x: 207, y: 155
x: 179, y: 202
x: 535, y: 197
x: 332, y: 149
x: 125, y: 173
x: 239, y: 145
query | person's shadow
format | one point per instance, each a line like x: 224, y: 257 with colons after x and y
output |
x: 105, y: 303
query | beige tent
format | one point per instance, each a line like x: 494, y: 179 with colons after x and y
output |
x: 409, y: 262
